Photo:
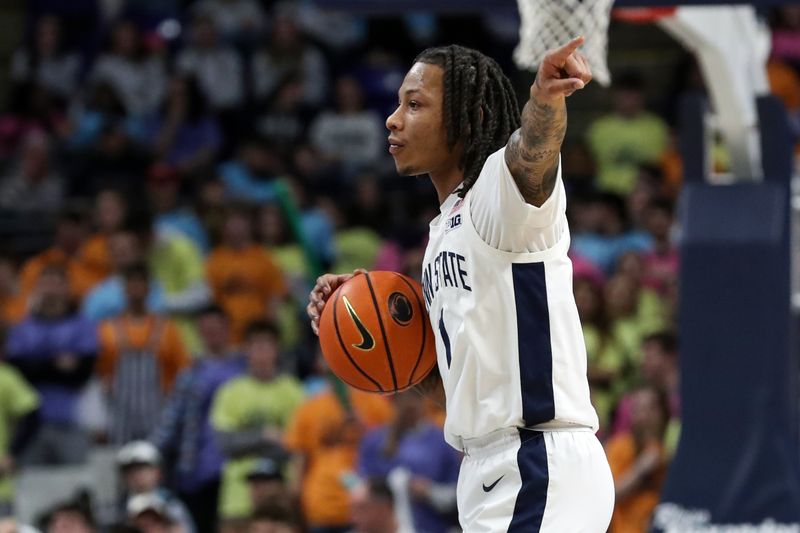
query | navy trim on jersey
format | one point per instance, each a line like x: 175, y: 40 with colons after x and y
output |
x: 445, y: 338
x: 532, y: 495
x: 533, y: 337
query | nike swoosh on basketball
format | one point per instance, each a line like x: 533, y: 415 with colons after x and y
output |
x: 490, y: 487
x: 367, y: 342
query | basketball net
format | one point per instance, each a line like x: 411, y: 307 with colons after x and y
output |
x: 730, y: 42
x: 548, y: 24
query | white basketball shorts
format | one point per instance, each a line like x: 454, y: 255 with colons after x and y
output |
x: 522, y: 480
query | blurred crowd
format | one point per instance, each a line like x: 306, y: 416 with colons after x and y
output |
x: 174, y: 175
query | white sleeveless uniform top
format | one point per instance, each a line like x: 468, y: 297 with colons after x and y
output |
x: 497, y: 283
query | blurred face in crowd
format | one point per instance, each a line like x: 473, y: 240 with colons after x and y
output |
x: 113, y: 141
x: 152, y: 522
x: 8, y: 525
x: 8, y: 276
x: 52, y: 291
x: 125, y: 41
x: 271, y: 225
x: 109, y: 211
x: 205, y: 32
x: 105, y: 99
x: 290, y: 95
x: 306, y: 160
x: 581, y: 216
x: 628, y: 102
x: 657, y: 364
x: 162, y: 189
x: 670, y: 297
x: 368, y: 192
x: 212, y: 193
x: 630, y: 264
x: 621, y: 296
x: 265, y: 490
x: 371, y: 514
x: 790, y: 16
x: 609, y: 221
x: 260, y: 159
x: 124, y: 248
x: 640, y: 197
x: 417, y: 135
x: 70, y: 235
x: 647, y: 416
x: 269, y: 526
x: 412, y: 262
x: 141, y: 478
x: 48, y: 35
x: 349, y: 96
x: 409, y: 409
x: 659, y: 222
x: 238, y: 232
x: 262, y: 355
x: 69, y: 521
x: 577, y: 160
x: 136, y: 289
x: 35, y: 158
x: 588, y: 299
x: 284, y: 33
x: 215, y: 333
x: 178, y: 90
x: 588, y: 216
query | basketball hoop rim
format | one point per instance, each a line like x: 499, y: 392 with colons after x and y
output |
x: 642, y: 15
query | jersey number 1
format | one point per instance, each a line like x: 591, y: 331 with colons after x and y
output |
x: 445, y: 338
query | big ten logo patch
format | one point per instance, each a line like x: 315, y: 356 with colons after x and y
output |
x: 452, y: 223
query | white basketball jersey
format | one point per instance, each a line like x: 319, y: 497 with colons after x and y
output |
x: 498, y: 286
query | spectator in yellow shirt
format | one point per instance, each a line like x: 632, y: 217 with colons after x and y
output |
x: 248, y: 415
x: 627, y: 137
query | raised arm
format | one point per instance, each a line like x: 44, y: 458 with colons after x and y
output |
x: 532, y: 151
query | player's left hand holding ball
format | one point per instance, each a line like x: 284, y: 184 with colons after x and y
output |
x: 325, y: 286
x: 563, y: 71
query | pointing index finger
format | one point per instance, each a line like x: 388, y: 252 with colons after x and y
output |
x: 561, y: 54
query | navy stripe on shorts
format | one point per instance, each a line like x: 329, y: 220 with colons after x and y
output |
x: 532, y: 495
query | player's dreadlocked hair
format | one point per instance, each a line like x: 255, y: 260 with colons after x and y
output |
x: 474, y: 83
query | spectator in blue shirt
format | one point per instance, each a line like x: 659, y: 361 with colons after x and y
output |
x: 107, y: 299
x: 185, y: 134
x: 416, y: 445
x: 170, y: 217
x: 55, y: 349
x: 607, y: 235
x: 184, y: 432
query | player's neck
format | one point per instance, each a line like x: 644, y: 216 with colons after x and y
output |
x: 446, y: 182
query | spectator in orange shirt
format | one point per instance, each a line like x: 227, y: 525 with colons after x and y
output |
x: 12, y: 305
x: 110, y: 209
x: 140, y: 357
x: 70, y: 235
x: 324, y: 436
x: 784, y: 81
x: 243, y: 277
x: 638, y: 462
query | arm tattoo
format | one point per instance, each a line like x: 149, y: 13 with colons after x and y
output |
x: 532, y: 151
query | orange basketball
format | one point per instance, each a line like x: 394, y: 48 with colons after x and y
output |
x: 375, y: 333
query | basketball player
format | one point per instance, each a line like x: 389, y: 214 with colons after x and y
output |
x: 498, y: 286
